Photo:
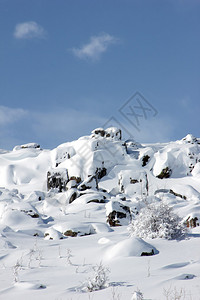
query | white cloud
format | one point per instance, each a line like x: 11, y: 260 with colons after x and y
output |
x: 96, y: 46
x: 154, y: 130
x: 10, y: 115
x: 67, y: 123
x: 29, y: 30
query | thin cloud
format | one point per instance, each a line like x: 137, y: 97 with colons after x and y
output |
x: 11, y: 115
x: 29, y: 30
x: 96, y: 47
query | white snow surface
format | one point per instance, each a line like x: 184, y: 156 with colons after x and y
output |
x: 39, y: 259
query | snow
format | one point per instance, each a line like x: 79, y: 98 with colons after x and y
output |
x: 51, y: 242
x: 132, y: 246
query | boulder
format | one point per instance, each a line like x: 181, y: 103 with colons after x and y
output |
x: 27, y: 146
x: 117, y: 214
x: 114, y: 133
x: 90, y: 183
x: 111, y: 132
x: 133, y: 183
x: 52, y: 234
x: 98, y: 132
x: 165, y: 173
x: 57, y: 179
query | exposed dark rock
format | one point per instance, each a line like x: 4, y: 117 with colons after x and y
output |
x: 27, y: 146
x: 148, y: 253
x: 133, y: 181
x: 77, y: 179
x: 70, y: 233
x: 53, y: 234
x: 57, y: 178
x: 165, y: 173
x: 91, y: 182
x: 192, y: 222
x: 117, y: 214
x: 145, y: 160
x: 111, y: 132
x: 101, y: 172
x: 96, y: 201
x: 177, y: 195
x: 31, y: 213
x: 190, y: 139
x: 72, y: 197
x: 171, y: 192
x: 100, y: 132
x: 112, y: 219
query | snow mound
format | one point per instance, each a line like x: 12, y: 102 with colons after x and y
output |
x: 130, y: 247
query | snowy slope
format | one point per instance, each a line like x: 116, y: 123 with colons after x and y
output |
x: 63, y: 211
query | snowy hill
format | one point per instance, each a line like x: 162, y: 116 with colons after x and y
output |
x: 85, y: 206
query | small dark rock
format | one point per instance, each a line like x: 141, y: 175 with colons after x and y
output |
x: 165, y: 173
x: 133, y: 181
x: 70, y: 233
x: 148, y: 253
x: 145, y: 160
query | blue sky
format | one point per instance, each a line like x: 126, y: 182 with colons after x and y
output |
x: 67, y: 67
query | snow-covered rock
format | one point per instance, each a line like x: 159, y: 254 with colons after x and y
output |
x: 111, y: 133
x: 117, y: 213
x: 27, y: 146
x: 130, y: 247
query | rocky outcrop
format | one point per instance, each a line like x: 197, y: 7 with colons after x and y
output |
x: 190, y: 139
x: 27, y: 146
x: 111, y: 132
x: 57, y: 179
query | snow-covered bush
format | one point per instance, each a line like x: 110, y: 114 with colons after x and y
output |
x: 137, y: 295
x: 99, y: 279
x: 157, y: 220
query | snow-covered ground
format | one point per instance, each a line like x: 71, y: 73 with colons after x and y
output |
x: 65, y: 214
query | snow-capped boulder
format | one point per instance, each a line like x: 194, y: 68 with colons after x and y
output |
x: 53, y: 234
x: 27, y: 146
x: 117, y: 213
x: 132, y: 246
x: 132, y: 145
x: 74, y: 229
x: 89, y: 183
x: 61, y: 153
x: 111, y: 132
x: 133, y: 183
x: 90, y: 197
x: 98, y: 132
